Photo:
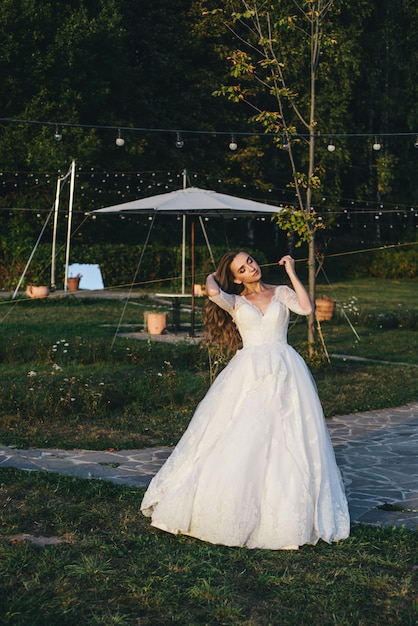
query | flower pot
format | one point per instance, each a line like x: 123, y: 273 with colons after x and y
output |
x: 199, y: 290
x: 324, y: 309
x: 37, y: 292
x: 73, y: 283
x: 156, y: 323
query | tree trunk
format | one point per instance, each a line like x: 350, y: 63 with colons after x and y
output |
x: 315, y: 40
x: 312, y: 294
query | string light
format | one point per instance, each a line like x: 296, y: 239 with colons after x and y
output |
x: 205, y: 132
x: 179, y: 141
x: 233, y: 144
x: 285, y: 143
x: 377, y: 145
x: 120, y: 141
x: 331, y: 145
x: 350, y: 213
x: 58, y: 132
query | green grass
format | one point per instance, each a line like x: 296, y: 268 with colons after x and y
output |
x: 114, y: 568
x: 67, y: 381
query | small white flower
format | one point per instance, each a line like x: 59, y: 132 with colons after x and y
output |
x: 64, y: 351
x: 31, y: 374
x: 72, y: 399
x: 56, y: 367
x: 101, y: 383
x: 159, y: 374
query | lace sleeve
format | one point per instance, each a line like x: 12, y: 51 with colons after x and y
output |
x: 288, y: 297
x: 225, y: 300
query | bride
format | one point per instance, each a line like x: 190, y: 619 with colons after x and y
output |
x: 255, y: 466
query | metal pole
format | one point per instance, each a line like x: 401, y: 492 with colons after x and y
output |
x: 183, y: 258
x: 183, y: 245
x: 193, y: 296
x: 70, y: 215
x: 54, y: 235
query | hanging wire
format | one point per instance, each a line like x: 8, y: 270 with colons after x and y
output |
x: 335, y: 254
x: 134, y: 279
x: 177, y: 131
x: 39, y: 239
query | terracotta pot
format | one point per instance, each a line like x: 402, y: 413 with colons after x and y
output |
x: 156, y: 323
x: 199, y: 290
x: 37, y: 292
x: 324, y: 309
x: 73, y: 283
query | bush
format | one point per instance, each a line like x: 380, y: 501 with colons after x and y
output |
x: 389, y: 263
x: 393, y: 263
x: 119, y: 264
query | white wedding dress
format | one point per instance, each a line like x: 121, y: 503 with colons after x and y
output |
x: 255, y: 466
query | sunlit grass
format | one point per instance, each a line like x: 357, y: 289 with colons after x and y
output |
x: 113, y: 567
x: 67, y: 381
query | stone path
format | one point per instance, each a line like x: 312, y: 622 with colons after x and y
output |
x: 377, y: 452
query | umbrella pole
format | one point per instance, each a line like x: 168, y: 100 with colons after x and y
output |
x: 183, y: 247
x: 193, y: 297
x: 183, y: 258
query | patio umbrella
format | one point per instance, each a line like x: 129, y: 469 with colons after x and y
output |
x: 192, y: 201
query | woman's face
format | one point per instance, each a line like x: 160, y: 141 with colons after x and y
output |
x: 245, y: 269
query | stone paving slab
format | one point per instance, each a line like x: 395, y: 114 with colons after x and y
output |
x: 377, y: 452
x: 134, y: 467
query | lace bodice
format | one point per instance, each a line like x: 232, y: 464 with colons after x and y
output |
x: 255, y: 327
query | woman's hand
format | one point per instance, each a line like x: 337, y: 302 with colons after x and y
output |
x: 288, y: 263
x: 304, y: 300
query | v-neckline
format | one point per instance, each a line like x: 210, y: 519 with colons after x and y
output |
x: 257, y: 308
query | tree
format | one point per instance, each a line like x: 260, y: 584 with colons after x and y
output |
x: 276, y: 70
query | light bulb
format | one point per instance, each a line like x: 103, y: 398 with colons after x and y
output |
x: 233, y: 144
x: 179, y: 141
x: 331, y: 146
x: 58, y: 133
x: 377, y: 145
x: 119, y: 140
x: 285, y: 143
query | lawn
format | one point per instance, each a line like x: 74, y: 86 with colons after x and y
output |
x: 67, y: 380
x: 112, y: 568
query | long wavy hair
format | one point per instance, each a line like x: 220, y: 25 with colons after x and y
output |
x: 219, y: 328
